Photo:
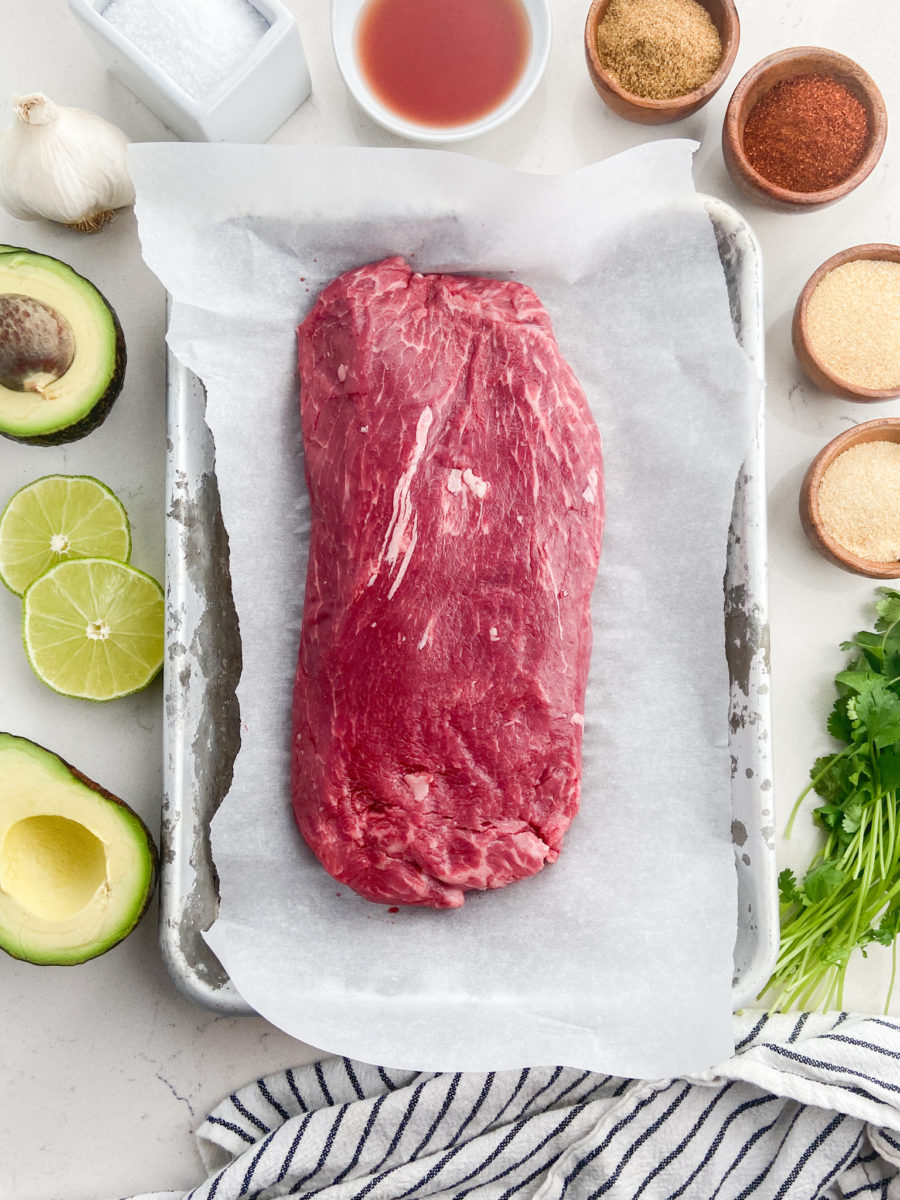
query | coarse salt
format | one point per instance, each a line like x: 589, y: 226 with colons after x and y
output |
x: 859, y: 500
x: 853, y: 323
x: 197, y: 43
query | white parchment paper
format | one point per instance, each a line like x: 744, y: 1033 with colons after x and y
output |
x: 619, y: 957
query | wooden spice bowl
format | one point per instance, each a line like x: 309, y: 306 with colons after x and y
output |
x: 774, y: 69
x: 817, y: 371
x: 660, y: 112
x: 885, y: 430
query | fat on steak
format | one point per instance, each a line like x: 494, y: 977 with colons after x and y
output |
x: 456, y: 483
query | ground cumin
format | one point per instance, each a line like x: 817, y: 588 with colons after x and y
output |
x: 859, y: 501
x: 658, y: 49
x: 807, y: 134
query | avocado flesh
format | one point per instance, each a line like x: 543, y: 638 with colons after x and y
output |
x: 77, y: 865
x: 71, y: 406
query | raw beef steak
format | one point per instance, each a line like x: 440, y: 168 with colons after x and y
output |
x: 455, y: 477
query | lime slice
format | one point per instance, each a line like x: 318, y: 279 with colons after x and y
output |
x: 94, y: 628
x: 59, y: 517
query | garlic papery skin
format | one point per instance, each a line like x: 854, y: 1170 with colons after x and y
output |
x: 62, y: 164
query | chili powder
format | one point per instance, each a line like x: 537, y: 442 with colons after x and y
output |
x: 807, y: 134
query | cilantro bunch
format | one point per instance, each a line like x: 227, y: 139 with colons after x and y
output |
x: 850, y: 895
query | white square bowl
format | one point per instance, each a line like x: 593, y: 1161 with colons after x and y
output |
x: 247, y: 106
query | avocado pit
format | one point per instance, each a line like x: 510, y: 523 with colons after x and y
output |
x: 62, y: 351
x: 37, y: 343
x: 52, y: 866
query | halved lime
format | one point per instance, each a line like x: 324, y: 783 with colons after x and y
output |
x: 94, y: 628
x: 59, y: 517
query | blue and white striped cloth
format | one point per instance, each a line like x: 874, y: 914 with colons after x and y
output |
x: 806, y: 1107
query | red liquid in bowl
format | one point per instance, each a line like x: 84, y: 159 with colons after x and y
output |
x: 442, y: 62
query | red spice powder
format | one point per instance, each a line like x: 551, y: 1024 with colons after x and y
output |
x: 807, y: 134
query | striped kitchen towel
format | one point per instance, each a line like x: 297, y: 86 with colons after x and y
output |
x: 808, y: 1106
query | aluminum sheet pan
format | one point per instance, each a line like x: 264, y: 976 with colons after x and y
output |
x: 203, y: 664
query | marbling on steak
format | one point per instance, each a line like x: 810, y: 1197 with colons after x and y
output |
x: 456, y: 483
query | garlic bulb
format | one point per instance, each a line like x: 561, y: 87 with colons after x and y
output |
x: 64, y: 164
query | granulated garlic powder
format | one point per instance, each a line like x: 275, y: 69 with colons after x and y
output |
x: 859, y: 501
x: 853, y: 323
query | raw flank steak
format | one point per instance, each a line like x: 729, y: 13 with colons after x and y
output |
x: 456, y: 483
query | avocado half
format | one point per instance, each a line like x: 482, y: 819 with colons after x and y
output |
x: 77, y: 865
x: 62, y: 350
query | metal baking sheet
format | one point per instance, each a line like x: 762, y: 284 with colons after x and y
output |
x: 203, y: 663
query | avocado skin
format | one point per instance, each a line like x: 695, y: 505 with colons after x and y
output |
x: 113, y: 799
x: 28, y: 745
x: 100, y: 411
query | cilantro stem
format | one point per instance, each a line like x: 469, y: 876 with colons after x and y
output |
x: 853, y: 880
x: 882, y: 829
x: 810, y: 787
x: 894, y: 856
x: 836, y: 989
x: 890, y: 629
x: 853, y: 933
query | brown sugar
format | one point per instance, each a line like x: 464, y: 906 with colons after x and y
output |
x: 659, y: 49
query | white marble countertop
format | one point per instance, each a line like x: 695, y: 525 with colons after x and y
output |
x: 107, y: 1068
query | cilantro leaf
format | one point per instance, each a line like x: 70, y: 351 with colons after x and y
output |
x: 856, y: 871
x: 889, y: 769
x: 891, y: 664
x: 841, y: 821
x: 886, y: 930
x: 835, y: 955
x: 822, y: 880
x: 872, y: 646
x: 788, y: 891
x: 860, y: 680
x: 888, y: 927
x: 839, y: 724
x: 829, y: 777
x: 853, y: 816
x: 888, y: 609
x: 878, y: 710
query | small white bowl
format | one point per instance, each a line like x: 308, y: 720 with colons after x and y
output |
x: 247, y: 106
x: 344, y: 18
